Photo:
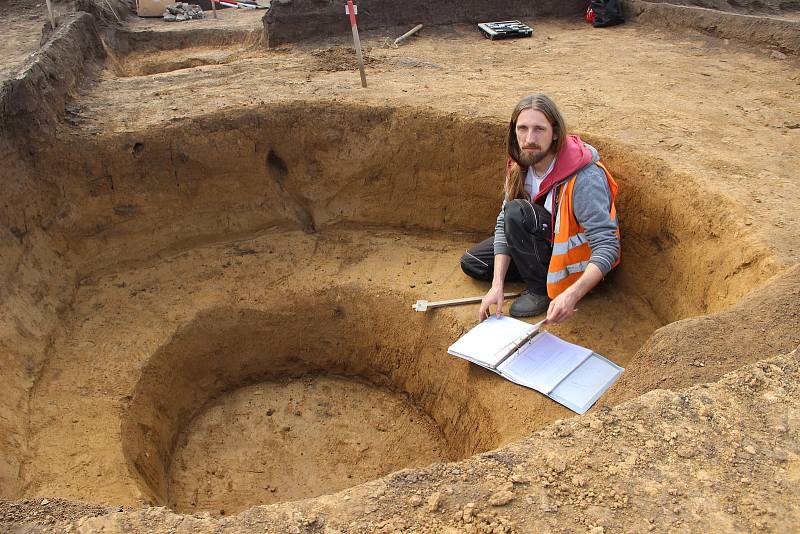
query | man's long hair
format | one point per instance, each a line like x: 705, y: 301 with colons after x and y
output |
x: 515, y: 179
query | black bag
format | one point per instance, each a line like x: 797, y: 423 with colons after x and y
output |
x: 607, y: 13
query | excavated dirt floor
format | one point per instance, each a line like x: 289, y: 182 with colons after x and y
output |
x: 209, y: 301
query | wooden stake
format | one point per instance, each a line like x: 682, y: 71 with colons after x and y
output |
x: 408, y: 34
x: 357, y: 42
x: 52, y: 17
x: 214, y: 8
x: 114, y: 12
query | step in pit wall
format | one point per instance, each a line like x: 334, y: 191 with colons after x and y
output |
x: 120, y: 42
x: 307, y: 166
x: 775, y: 7
x: 755, y: 30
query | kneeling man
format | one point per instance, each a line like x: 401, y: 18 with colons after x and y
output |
x: 557, y: 230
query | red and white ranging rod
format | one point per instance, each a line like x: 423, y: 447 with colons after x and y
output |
x: 233, y: 3
x: 351, y: 10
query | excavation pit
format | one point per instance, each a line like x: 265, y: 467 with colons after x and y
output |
x: 238, y: 260
x: 243, y: 407
x: 131, y: 221
x: 150, y: 63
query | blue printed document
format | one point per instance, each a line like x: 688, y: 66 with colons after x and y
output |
x: 571, y: 375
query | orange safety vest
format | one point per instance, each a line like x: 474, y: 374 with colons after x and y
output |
x: 571, y: 250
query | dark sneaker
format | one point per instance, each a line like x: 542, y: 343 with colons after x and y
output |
x: 529, y: 304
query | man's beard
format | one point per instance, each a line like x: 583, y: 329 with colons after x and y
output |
x: 529, y: 159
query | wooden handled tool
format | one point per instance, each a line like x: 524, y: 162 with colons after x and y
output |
x: 423, y: 305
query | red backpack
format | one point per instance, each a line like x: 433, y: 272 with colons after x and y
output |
x: 604, y: 13
x: 589, y: 14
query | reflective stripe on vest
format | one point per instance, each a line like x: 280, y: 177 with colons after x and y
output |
x: 571, y: 252
x: 575, y: 268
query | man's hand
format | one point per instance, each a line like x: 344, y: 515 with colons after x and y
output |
x: 562, y: 307
x: 494, y: 296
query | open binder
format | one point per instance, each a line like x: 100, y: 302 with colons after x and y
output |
x: 571, y: 375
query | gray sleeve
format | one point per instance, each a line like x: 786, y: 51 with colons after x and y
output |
x: 591, y: 204
x: 500, y: 243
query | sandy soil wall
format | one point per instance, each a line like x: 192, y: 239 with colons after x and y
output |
x: 304, y: 166
x: 766, y: 318
x: 37, y: 281
x: 296, y: 21
x: 124, y: 42
x: 134, y: 196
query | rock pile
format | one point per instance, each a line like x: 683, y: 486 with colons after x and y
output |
x: 182, y: 11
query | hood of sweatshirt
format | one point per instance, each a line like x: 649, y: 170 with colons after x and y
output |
x: 573, y: 156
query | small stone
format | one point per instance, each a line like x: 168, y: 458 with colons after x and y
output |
x: 434, y: 501
x: 501, y: 498
x: 556, y: 463
x: 520, y: 479
x: 780, y: 456
x: 415, y: 500
x: 564, y: 432
x: 749, y: 449
x: 469, y: 510
x: 777, y: 55
x: 596, y: 424
x: 597, y: 530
